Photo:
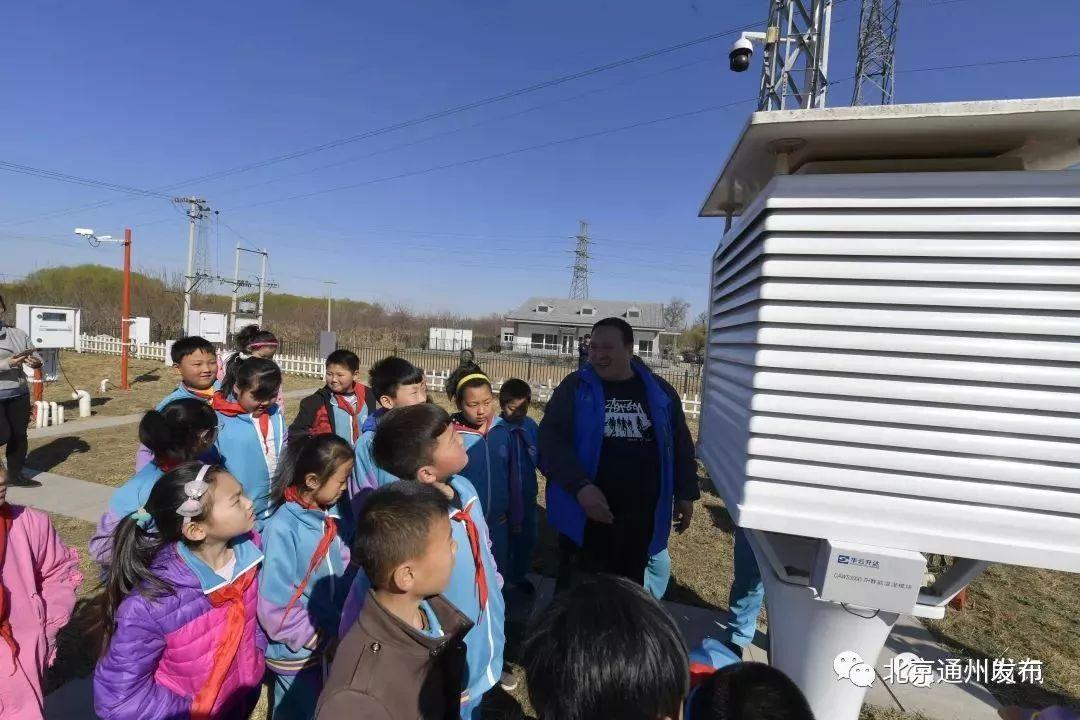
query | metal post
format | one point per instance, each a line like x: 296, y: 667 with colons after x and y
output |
x: 329, y: 298
x: 262, y: 286
x: 189, y: 278
x: 125, y: 314
x: 235, y: 293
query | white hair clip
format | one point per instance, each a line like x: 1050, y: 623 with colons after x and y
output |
x: 194, y: 490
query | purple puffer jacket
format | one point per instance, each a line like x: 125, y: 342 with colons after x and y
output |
x: 161, y: 654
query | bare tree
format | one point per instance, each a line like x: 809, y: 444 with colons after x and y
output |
x: 675, y: 313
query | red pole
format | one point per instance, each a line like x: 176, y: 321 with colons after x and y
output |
x: 125, y: 314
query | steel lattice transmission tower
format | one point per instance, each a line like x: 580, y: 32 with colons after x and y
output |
x: 796, y: 67
x: 874, y: 68
x: 579, y: 281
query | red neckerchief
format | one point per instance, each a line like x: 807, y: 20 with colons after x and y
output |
x: 165, y: 466
x: 478, y: 560
x: 6, y: 519
x: 329, y: 533
x: 353, y: 412
x: 461, y: 426
x: 225, y: 406
x: 207, y: 395
x: 225, y: 653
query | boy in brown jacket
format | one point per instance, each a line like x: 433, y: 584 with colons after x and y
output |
x: 405, y: 657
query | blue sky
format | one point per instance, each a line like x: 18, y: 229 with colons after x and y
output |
x: 146, y: 95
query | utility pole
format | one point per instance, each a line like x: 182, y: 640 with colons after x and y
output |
x: 262, y: 285
x: 579, y: 281
x: 796, y: 42
x: 125, y: 314
x: 197, y: 210
x: 125, y: 297
x: 329, y: 300
x: 235, y: 292
x: 874, y: 65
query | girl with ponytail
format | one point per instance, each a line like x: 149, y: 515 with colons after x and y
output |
x: 304, y: 579
x: 251, y: 427
x: 181, y: 431
x: 470, y: 390
x: 252, y: 341
x: 182, y: 638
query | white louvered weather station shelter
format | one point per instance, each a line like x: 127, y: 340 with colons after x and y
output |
x: 893, y: 360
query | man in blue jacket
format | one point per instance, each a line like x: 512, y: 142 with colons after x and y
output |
x: 619, y: 461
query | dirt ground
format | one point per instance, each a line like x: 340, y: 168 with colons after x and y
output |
x: 1014, y: 612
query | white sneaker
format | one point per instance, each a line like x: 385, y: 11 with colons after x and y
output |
x: 508, y: 681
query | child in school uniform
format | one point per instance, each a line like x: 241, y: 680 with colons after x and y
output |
x: 470, y: 390
x: 38, y: 579
x: 513, y: 438
x: 341, y: 406
x: 253, y: 341
x: 419, y: 443
x: 305, y: 576
x: 195, y: 361
x: 183, y: 640
x: 395, y: 382
x: 183, y: 430
x: 251, y: 430
x: 404, y: 658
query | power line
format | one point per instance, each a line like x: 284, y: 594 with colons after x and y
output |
x: 535, y: 87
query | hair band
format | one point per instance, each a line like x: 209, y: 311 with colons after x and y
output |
x: 467, y: 378
x: 194, y: 490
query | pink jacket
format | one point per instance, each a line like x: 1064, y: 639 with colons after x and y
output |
x: 161, y: 657
x: 40, y: 575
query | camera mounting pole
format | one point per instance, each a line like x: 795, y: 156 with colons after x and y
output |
x: 795, y: 73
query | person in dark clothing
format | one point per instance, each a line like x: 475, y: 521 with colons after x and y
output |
x: 16, y: 350
x: 583, y: 351
x: 619, y: 459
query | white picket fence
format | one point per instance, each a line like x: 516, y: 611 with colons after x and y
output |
x: 106, y: 345
x: 315, y: 368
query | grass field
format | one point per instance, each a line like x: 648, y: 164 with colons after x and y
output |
x: 1015, y: 612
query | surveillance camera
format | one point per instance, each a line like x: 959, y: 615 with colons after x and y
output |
x: 741, y: 52
x: 85, y: 232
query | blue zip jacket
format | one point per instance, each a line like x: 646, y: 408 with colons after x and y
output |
x: 242, y: 453
x: 182, y: 392
x: 484, y: 643
x: 368, y: 475
x: 290, y: 538
x: 493, y: 498
x: 572, y: 437
x: 500, y: 437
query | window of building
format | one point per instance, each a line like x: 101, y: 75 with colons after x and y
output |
x: 543, y: 308
x: 633, y: 313
x: 588, y: 310
x: 508, y: 337
x: 645, y: 347
x: 540, y: 341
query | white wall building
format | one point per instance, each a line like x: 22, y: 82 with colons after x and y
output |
x: 553, y: 326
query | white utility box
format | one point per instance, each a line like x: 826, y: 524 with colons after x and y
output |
x: 868, y: 577
x: 210, y: 325
x: 894, y: 335
x: 50, y: 327
x: 140, y: 330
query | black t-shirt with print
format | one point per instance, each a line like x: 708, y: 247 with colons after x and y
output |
x: 629, y: 472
